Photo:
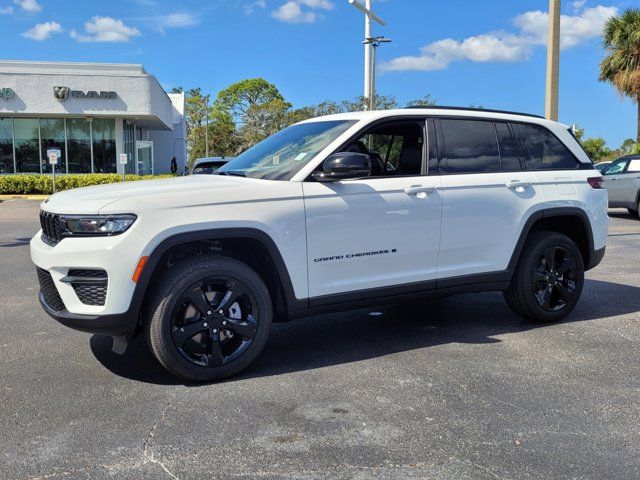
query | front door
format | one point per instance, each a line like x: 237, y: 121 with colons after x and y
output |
x: 379, y: 231
x: 144, y: 157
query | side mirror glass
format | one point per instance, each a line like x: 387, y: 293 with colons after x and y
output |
x: 344, y: 165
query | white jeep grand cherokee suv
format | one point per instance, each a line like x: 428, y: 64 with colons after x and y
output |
x: 332, y: 213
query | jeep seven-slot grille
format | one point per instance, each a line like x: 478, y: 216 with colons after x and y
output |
x: 90, y: 285
x: 53, y: 227
x: 49, y: 291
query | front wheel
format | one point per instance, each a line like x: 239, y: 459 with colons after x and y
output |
x: 548, y: 278
x: 209, y: 318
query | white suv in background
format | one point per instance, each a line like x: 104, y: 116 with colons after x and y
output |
x: 622, y: 179
x: 332, y: 213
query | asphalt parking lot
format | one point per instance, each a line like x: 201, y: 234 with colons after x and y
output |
x: 444, y: 389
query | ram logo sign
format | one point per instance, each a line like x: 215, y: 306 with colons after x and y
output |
x: 6, y: 94
x: 62, y: 93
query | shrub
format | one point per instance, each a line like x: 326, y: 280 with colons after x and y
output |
x: 42, y: 184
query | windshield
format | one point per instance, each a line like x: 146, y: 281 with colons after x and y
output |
x: 282, y: 155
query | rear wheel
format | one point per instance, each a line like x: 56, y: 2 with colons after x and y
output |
x: 209, y: 318
x: 548, y: 279
x: 633, y: 212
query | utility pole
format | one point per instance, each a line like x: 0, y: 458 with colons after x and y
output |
x: 368, y: 45
x: 553, y: 62
x: 206, y: 129
x: 375, y: 43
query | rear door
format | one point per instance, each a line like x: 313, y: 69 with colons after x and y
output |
x: 486, y: 196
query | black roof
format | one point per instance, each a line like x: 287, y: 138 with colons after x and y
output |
x: 472, y: 109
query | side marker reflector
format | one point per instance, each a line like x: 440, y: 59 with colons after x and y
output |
x: 141, y: 263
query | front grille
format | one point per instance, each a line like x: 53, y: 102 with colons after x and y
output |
x: 90, y: 285
x: 53, y: 226
x: 49, y: 291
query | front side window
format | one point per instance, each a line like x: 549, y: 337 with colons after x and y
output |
x: 470, y: 146
x: 395, y: 148
x: 282, y: 155
x: 542, y: 150
x: 616, y: 167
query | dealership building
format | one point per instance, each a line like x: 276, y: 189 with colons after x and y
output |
x: 92, y: 113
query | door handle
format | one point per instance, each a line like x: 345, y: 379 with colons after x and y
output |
x: 517, y: 185
x: 416, y: 189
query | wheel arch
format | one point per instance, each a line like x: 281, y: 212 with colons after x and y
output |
x: 275, y: 275
x: 571, y: 221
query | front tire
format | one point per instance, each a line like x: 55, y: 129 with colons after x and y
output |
x: 548, y: 278
x: 209, y: 317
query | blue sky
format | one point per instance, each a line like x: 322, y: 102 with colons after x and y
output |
x: 461, y: 52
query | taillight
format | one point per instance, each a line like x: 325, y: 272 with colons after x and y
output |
x: 596, y: 182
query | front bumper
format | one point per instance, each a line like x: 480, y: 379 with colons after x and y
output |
x: 116, y: 255
x: 115, y: 325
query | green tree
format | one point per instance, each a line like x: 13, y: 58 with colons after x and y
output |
x: 426, y: 101
x: 628, y: 147
x: 238, y: 98
x: 621, y: 65
x: 596, y: 148
x: 197, y: 110
x: 177, y: 90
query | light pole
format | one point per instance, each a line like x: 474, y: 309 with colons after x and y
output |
x: 375, y: 43
x: 553, y: 62
x: 206, y: 129
x: 368, y: 46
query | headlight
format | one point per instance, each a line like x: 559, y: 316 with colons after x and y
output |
x: 98, y: 224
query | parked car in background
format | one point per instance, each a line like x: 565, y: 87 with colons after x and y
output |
x: 602, y: 165
x: 622, y: 179
x: 208, y: 165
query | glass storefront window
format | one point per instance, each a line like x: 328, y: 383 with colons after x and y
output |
x: 52, y: 136
x: 104, y: 146
x: 78, y: 145
x: 6, y: 145
x: 27, y: 144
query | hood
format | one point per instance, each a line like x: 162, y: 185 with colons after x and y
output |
x: 131, y: 195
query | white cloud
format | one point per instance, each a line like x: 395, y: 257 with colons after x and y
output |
x: 43, y: 31
x: 31, y: 6
x: 504, y: 46
x: 6, y: 10
x: 105, y: 29
x: 173, y: 20
x: 300, y: 11
x: 251, y: 7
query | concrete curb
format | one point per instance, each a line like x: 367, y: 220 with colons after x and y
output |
x: 24, y: 197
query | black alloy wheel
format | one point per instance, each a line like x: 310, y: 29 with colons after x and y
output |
x: 214, y: 321
x: 548, y: 278
x: 208, y: 317
x: 555, y: 279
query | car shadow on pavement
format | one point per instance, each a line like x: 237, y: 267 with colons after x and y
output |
x: 346, y: 337
x: 18, y: 242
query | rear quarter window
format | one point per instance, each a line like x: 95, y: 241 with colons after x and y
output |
x: 542, y: 150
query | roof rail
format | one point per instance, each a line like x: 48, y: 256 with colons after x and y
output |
x: 490, y: 110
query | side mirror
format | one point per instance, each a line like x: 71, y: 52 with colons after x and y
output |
x: 343, y: 165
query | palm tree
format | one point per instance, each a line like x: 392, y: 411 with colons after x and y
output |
x: 621, y: 66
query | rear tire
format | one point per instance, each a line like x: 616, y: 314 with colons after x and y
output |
x: 208, y: 318
x: 548, y: 278
x: 632, y: 212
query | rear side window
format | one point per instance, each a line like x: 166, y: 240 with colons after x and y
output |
x: 471, y: 146
x: 508, y: 151
x: 542, y: 150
